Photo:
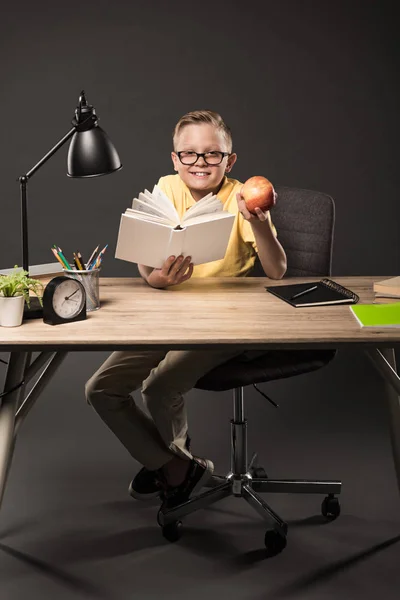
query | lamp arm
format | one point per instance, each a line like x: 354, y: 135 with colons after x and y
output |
x: 79, y: 124
x: 50, y: 153
x: 23, y: 180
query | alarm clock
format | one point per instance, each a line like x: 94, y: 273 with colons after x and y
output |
x: 64, y: 301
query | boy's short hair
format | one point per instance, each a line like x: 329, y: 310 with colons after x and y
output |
x: 197, y: 117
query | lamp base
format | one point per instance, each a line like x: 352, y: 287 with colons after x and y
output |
x: 34, y: 311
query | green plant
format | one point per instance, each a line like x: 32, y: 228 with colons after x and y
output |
x: 19, y: 283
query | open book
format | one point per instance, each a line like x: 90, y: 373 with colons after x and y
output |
x: 151, y: 230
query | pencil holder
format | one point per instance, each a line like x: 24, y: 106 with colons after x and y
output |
x: 90, y: 281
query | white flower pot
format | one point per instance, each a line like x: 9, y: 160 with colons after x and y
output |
x: 11, y: 311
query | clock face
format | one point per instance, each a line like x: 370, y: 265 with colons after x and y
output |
x: 64, y: 301
x: 68, y: 298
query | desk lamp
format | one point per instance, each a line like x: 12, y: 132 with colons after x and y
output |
x: 90, y: 154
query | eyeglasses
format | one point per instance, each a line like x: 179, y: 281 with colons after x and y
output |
x: 210, y: 158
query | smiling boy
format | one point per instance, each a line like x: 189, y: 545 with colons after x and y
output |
x: 202, y: 157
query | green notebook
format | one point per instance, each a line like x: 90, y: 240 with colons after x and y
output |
x: 377, y: 315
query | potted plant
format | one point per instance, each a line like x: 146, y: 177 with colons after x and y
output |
x: 14, y: 292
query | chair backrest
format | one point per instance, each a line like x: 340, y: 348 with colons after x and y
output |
x: 305, y: 221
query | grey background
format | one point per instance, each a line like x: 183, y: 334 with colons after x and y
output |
x: 310, y: 90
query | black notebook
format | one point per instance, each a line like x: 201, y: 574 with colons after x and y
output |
x: 320, y: 293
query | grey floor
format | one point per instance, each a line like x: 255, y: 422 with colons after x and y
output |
x: 68, y: 529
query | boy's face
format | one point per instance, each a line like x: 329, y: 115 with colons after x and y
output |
x: 202, y: 178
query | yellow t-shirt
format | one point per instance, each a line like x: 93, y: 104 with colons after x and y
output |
x: 241, y: 251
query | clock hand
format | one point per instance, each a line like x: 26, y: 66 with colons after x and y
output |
x: 68, y: 297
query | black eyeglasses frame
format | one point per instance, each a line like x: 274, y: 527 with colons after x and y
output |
x: 203, y: 155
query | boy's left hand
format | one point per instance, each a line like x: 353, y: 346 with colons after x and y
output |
x: 261, y: 215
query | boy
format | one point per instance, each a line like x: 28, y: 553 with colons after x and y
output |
x: 202, y: 157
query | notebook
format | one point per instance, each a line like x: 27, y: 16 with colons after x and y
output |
x: 377, y: 315
x: 320, y: 293
x: 389, y: 288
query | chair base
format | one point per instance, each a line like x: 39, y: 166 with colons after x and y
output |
x: 246, y: 487
x: 246, y: 481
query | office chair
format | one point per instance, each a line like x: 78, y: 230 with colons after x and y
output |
x: 304, y: 221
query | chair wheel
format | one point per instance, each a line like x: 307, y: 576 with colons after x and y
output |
x: 275, y: 542
x: 330, y: 507
x: 173, y: 531
x: 258, y: 473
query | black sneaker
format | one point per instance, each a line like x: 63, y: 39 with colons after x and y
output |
x: 200, y: 471
x: 147, y: 484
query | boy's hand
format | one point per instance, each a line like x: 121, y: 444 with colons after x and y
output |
x: 261, y: 215
x: 174, y: 271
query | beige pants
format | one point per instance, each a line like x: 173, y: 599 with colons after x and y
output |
x: 163, y: 378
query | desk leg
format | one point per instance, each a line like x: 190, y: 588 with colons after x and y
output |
x: 12, y: 410
x: 8, y: 408
x: 385, y: 361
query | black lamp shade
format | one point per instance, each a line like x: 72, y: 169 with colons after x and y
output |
x: 91, y: 153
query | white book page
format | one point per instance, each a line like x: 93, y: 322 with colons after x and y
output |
x: 166, y: 208
x: 142, y: 206
x: 163, y: 201
x: 208, y: 217
x: 208, y: 204
x: 145, y: 216
x: 147, y: 198
x: 202, y: 203
x: 214, y: 207
x: 160, y: 208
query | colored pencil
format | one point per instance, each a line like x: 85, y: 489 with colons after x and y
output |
x: 57, y: 257
x: 92, y: 257
x: 100, y: 257
x: 58, y: 253
x: 77, y: 262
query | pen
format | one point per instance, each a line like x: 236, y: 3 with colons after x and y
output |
x: 311, y: 289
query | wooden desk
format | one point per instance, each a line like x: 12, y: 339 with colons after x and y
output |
x: 201, y: 313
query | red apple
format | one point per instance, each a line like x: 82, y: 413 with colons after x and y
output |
x: 258, y: 192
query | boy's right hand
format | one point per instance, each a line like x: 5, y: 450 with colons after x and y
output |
x: 175, y: 270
